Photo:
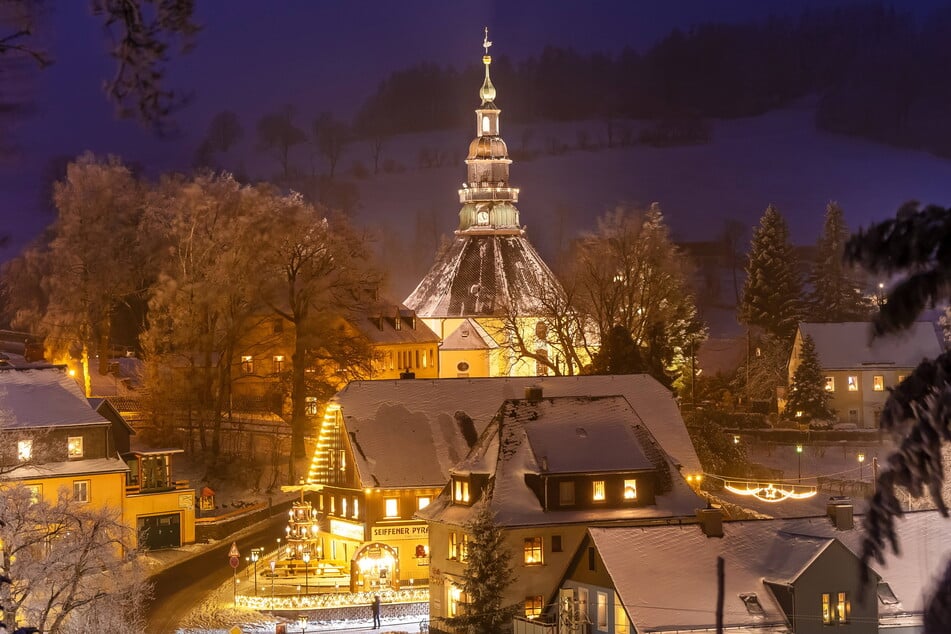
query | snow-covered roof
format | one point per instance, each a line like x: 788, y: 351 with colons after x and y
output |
x: 391, y: 323
x: 848, y: 345
x: 562, y: 435
x: 666, y: 575
x: 407, y: 432
x: 484, y: 275
x: 43, y: 397
x: 92, y: 466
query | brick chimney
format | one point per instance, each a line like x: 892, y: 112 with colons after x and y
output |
x: 711, y: 521
x: 840, y: 511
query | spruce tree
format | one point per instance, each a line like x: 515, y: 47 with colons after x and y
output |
x: 807, y: 393
x: 835, y: 295
x: 772, y: 290
x: 914, y: 247
x: 487, y: 574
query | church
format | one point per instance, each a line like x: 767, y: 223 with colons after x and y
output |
x: 488, y: 294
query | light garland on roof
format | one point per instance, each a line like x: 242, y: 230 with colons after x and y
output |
x: 770, y: 492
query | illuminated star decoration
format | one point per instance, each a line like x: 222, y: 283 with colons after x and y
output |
x: 770, y: 492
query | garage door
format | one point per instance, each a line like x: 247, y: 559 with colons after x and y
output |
x: 159, y: 531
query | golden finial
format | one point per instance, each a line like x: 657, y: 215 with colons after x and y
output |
x: 488, y: 90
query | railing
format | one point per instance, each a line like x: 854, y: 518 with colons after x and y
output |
x: 478, y: 194
x: 524, y: 625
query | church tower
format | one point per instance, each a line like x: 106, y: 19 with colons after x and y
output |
x: 490, y: 272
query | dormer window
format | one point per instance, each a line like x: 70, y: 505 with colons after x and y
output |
x: 74, y: 447
x: 630, y: 490
x: 753, y: 606
x: 460, y: 493
x: 24, y: 450
x: 566, y: 493
x: 597, y: 490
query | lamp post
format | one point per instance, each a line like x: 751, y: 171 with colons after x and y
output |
x: 799, y: 457
x: 861, y: 458
x: 306, y: 558
x: 255, y: 555
x: 273, y: 566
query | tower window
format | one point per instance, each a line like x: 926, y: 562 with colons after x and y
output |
x: 486, y: 125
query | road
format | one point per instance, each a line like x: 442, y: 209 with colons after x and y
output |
x: 182, y: 587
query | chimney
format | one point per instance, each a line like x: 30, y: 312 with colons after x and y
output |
x: 533, y: 393
x: 711, y: 521
x: 840, y: 509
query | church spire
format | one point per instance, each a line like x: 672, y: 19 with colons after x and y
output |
x: 488, y: 203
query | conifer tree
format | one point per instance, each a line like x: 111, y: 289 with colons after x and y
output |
x: 835, y: 294
x: 807, y: 393
x: 772, y: 290
x: 487, y: 574
x: 912, y: 246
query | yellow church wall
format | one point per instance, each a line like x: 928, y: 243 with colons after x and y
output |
x: 452, y: 362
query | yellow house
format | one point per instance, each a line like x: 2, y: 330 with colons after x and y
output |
x: 57, y: 440
x: 859, y: 370
x: 489, y: 296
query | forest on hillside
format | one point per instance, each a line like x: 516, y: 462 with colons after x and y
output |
x: 877, y: 72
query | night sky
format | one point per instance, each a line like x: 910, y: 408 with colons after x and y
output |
x: 254, y: 56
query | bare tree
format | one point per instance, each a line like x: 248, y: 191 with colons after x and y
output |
x: 318, y: 273
x: 69, y: 566
x: 330, y: 137
x: 223, y: 132
x: 278, y: 134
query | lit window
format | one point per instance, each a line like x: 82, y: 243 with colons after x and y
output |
x: 81, y: 490
x: 456, y: 599
x: 622, y: 625
x: 24, y: 450
x: 343, y: 507
x: 247, y: 364
x: 598, y: 490
x: 485, y: 124
x: 342, y: 459
x: 830, y: 384
x: 602, y: 611
x: 826, y: 608
x: 799, y: 413
x: 902, y: 377
x: 464, y: 551
x: 333, y: 504
x: 843, y: 609
x: 630, y: 489
x: 356, y: 508
x: 310, y: 405
x: 566, y: 493
x: 391, y: 507
x: 533, y: 551
x: 878, y: 383
x: 853, y: 383
x: 74, y: 447
x: 453, y: 546
x: 278, y: 363
x: 461, y: 494
x: 533, y: 607
x: 422, y: 502
x: 36, y: 492
x: 425, y: 360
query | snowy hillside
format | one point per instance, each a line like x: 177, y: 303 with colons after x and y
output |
x: 777, y: 158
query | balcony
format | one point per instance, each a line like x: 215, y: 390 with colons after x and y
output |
x: 488, y: 194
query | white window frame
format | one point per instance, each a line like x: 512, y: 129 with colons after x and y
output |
x: 81, y: 490
x: 391, y: 507
x: 74, y: 446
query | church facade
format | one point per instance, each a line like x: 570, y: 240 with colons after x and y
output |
x: 488, y: 294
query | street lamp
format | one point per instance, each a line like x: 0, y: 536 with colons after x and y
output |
x: 255, y: 555
x: 861, y: 458
x: 306, y: 558
x: 273, y: 565
x: 799, y: 456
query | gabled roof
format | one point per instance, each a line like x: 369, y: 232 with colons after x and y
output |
x: 94, y: 466
x: 569, y: 434
x: 848, y: 345
x: 108, y: 411
x: 43, y: 397
x: 670, y: 583
x: 470, y: 335
x: 484, y: 275
x: 391, y: 323
x: 407, y: 433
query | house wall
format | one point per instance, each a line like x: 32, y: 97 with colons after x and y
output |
x: 422, y: 359
x: 105, y: 490
x: 834, y: 570
x: 180, y: 502
x: 532, y: 580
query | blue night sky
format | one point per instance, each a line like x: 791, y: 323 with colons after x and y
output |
x: 254, y: 56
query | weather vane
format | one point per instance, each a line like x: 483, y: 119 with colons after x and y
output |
x: 486, y: 43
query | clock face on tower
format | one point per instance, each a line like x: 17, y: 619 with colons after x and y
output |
x: 482, y: 218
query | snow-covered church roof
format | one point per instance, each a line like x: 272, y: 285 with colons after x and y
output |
x: 409, y: 433
x: 485, y: 275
